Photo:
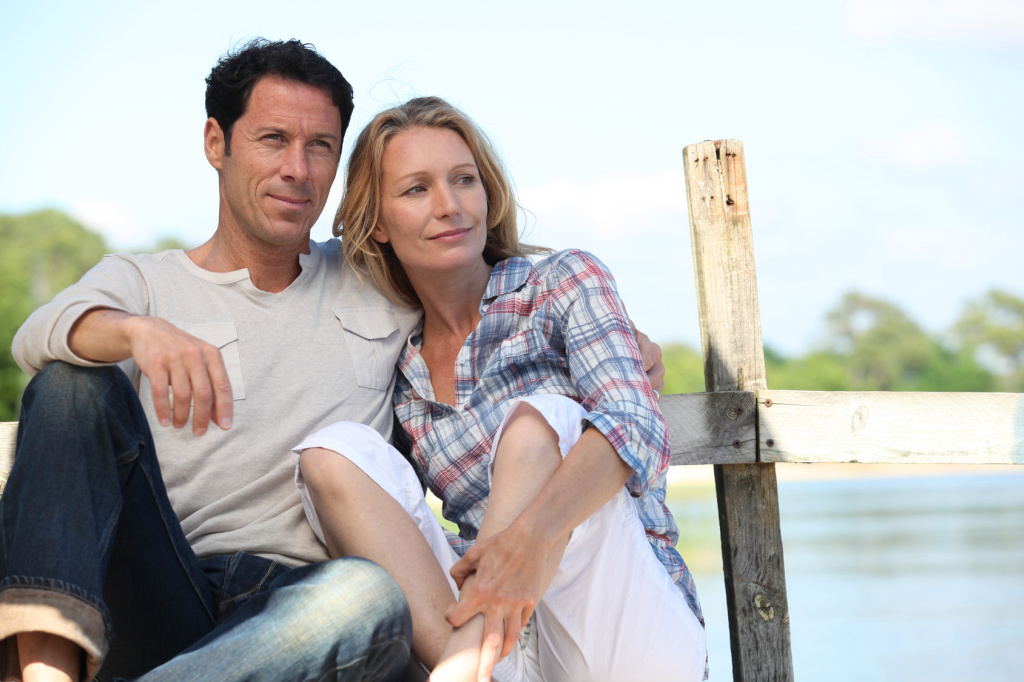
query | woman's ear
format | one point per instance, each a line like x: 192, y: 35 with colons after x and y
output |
x: 379, y: 235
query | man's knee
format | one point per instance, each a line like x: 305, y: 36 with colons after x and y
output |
x: 348, y: 594
x: 61, y: 383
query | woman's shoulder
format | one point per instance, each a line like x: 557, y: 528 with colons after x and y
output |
x: 575, y: 263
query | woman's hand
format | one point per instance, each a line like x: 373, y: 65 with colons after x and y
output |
x: 503, y: 578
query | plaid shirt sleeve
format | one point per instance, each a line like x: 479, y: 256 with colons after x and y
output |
x: 605, y: 364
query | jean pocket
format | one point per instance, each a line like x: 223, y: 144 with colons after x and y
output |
x: 224, y: 336
x: 370, y: 334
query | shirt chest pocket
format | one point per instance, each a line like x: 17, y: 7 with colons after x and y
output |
x: 371, y: 335
x: 224, y: 336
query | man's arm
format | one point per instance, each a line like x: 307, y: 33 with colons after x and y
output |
x: 180, y: 367
x: 103, y: 319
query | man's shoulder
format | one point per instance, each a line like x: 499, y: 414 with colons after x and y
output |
x: 331, y: 247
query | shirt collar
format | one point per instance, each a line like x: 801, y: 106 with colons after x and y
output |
x: 507, y: 276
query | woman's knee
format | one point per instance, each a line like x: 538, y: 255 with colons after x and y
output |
x: 528, y: 438
x: 325, y: 471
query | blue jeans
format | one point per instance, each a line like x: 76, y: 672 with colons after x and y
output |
x: 86, y: 528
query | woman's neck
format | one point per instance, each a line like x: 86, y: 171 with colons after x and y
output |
x: 451, y: 301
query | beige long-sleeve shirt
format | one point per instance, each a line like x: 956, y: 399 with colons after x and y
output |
x: 323, y: 350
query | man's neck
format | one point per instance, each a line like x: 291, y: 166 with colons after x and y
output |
x: 271, y: 267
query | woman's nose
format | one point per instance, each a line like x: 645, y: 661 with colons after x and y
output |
x: 446, y: 203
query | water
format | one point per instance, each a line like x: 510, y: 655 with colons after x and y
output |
x: 888, y: 579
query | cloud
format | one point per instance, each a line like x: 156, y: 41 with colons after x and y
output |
x: 611, y: 206
x: 111, y: 219
x: 946, y: 249
x: 936, y: 143
x: 974, y: 22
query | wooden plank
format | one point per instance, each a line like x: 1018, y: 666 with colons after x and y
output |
x: 891, y: 428
x: 8, y: 433
x: 712, y: 428
x: 748, y: 507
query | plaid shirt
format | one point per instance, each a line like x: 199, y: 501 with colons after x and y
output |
x: 556, y: 326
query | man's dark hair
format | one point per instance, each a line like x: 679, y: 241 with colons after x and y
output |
x: 230, y: 84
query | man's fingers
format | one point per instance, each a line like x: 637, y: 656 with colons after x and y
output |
x: 182, y: 399
x: 223, y: 399
x: 202, y: 401
x: 161, y: 403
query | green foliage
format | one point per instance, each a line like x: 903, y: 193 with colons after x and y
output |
x: 43, y: 253
x: 991, y: 330
x: 872, y: 345
x: 684, y: 369
x: 168, y: 243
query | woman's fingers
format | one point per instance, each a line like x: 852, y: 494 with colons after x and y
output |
x: 491, y: 648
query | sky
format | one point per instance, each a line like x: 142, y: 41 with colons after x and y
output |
x: 882, y: 137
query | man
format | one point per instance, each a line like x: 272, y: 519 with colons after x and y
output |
x: 201, y: 565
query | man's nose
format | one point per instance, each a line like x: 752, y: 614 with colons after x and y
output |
x: 296, y: 164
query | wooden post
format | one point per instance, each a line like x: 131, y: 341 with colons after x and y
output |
x: 748, y: 502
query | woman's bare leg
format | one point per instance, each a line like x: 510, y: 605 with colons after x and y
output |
x: 527, y: 457
x: 359, y: 518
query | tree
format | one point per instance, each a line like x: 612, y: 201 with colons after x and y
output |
x: 991, y: 330
x: 887, y: 351
x: 43, y: 253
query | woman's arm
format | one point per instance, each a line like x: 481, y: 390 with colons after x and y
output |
x: 514, y: 567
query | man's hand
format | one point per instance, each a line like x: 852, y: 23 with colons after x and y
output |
x: 509, y: 574
x: 651, y: 354
x: 179, y: 366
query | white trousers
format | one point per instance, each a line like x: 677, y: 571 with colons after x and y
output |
x: 611, y: 611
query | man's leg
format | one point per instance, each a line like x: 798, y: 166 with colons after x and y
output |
x: 343, y: 619
x: 84, y: 454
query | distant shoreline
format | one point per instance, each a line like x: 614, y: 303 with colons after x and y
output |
x: 700, y: 475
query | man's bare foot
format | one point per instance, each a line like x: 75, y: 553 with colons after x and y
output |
x: 48, y: 658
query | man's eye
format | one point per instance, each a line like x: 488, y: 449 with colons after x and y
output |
x: 276, y: 137
x: 321, y: 143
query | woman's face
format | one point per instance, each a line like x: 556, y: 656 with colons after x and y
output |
x: 433, y: 203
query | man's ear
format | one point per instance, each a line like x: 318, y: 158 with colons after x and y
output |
x: 379, y: 235
x: 213, y: 143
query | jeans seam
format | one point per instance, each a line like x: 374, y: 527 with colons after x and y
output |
x: 397, y: 641
x: 256, y: 587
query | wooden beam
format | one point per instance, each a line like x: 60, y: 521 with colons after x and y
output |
x: 712, y: 428
x: 891, y: 428
x: 748, y: 505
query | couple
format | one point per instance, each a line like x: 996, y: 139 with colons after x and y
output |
x: 184, y: 554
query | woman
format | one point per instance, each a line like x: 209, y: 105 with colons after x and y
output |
x: 572, y: 573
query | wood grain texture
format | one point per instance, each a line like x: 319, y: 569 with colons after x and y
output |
x: 748, y: 509
x: 892, y: 428
x: 8, y: 433
x: 712, y: 428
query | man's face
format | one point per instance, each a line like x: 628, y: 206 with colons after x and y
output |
x: 284, y: 156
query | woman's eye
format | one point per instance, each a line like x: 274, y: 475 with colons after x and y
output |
x: 466, y: 180
x: 416, y: 190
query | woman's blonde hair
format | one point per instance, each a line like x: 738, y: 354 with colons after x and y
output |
x: 359, y: 212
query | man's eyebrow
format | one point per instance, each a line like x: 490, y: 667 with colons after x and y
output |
x: 282, y: 131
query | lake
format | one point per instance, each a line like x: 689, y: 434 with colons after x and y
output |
x: 909, y: 578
